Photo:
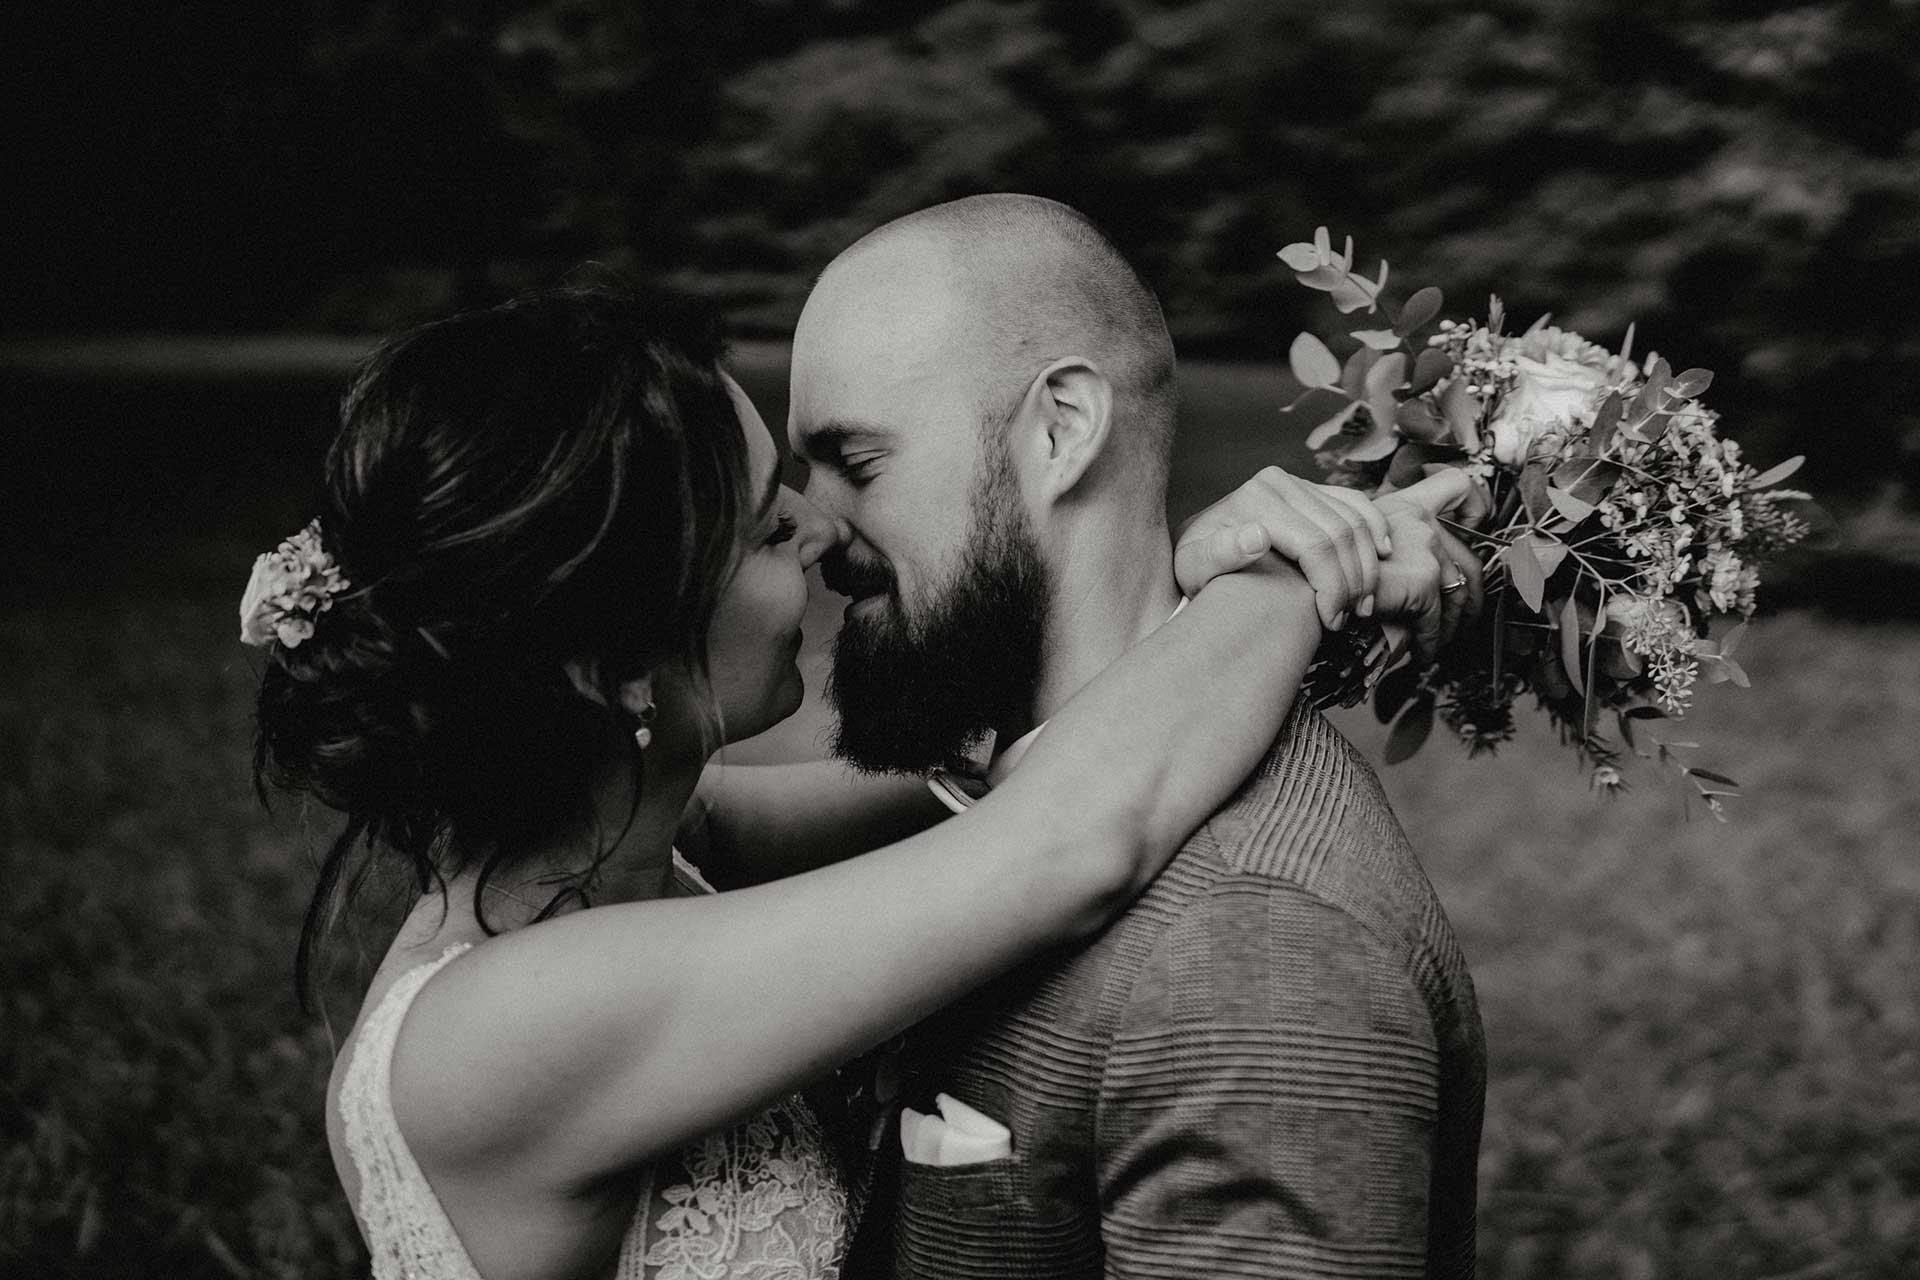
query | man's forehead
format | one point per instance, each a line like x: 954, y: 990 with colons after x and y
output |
x: 878, y: 389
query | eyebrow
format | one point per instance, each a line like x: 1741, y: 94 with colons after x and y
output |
x: 829, y: 440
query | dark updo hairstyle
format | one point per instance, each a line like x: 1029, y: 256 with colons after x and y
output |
x: 549, y: 489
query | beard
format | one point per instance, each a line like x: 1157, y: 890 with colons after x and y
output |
x: 916, y: 694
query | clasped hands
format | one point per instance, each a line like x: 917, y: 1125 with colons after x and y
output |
x: 1389, y: 558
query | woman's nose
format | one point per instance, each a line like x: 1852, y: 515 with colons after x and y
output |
x: 819, y: 532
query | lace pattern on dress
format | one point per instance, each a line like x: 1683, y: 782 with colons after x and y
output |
x: 407, y: 1231
x: 758, y: 1201
x: 762, y: 1200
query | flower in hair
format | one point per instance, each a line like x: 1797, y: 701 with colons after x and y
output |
x: 291, y: 586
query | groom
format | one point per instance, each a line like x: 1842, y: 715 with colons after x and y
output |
x: 1272, y: 1064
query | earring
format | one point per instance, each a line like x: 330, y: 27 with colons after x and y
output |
x: 636, y: 698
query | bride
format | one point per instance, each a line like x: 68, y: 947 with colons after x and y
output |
x: 554, y: 571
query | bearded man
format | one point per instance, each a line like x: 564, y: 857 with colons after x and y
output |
x: 1272, y: 1065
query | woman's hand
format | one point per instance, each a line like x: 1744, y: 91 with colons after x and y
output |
x: 1337, y: 545
x: 1424, y: 578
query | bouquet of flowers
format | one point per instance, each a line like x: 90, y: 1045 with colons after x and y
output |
x: 1622, y: 527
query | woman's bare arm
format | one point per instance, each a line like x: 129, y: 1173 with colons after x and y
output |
x: 750, y: 823
x: 592, y: 1043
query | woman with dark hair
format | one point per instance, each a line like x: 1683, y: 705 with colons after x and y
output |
x: 554, y: 571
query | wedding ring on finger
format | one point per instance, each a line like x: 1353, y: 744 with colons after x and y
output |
x: 1448, y: 588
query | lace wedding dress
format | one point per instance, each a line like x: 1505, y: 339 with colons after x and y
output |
x: 762, y: 1200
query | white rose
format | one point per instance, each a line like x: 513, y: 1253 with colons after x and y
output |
x: 1549, y: 398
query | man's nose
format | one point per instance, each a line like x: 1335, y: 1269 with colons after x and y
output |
x: 820, y: 531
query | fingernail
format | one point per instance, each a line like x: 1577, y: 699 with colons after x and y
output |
x: 1252, y: 538
x: 1340, y: 620
x: 1366, y: 607
x: 1386, y: 545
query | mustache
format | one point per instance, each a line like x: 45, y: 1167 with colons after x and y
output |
x: 846, y: 576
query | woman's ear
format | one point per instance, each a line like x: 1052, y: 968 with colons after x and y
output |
x: 1068, y: 410
x: 636, y: 697
x: 584, y: 675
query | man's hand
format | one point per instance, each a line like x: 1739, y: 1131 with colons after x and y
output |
x: 1337, y: 545
x: 1439, y: 578
x: 1430, y: 579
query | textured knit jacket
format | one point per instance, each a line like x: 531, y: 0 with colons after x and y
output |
x: 1270, y: 1066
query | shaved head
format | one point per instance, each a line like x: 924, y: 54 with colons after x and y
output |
x: 1027, y: 280
x: 984, y: 392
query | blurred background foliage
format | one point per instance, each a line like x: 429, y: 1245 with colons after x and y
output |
x: 1742, y: 179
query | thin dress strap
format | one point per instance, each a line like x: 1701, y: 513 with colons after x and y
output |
x: 408, y: 1232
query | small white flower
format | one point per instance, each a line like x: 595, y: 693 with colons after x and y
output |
x: 289, y: 587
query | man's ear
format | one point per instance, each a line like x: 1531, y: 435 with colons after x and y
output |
x: 1069, y: 410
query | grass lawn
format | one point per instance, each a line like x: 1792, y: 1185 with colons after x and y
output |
x: 1705, y: 1038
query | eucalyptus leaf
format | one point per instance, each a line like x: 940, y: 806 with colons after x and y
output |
x: 1533, y: 490
x: 1549, y: 552
x: 1353, y: 374
x: 1774, y: 475
x: 1388, y: 372
x: 1711, y: 776
x: 1574, y: 509
x: 1386, y: 375
x: 1606, y: 421
x: 1409, y: 731
x: 1525, y: 572
x: 1570, y: 644
x: 1647, y: 403
x: 1324, y: 278
x: 1317, y: 404
x: 1691, y: 383
x: 1420, y: 309
x: 1593, y: 662
x: 1312, y: 364
x: 1394, y: 689
x: 1378, y: 339
x: 1410, y: 464
x: 1587, y: 478
x: 1618, y: 661
x: 1431, y: 365
x: 1300, y: 256
x: 1419, y: 420
x: 1353, y: 293
x: 1319, y: 437
x: 1378, y: 443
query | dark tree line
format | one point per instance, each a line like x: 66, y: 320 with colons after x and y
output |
x: 1743, y: 180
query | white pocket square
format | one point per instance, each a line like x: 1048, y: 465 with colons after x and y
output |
x: 958, y: 1135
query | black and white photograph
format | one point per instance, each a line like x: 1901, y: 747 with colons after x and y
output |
x: 961, y: 640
